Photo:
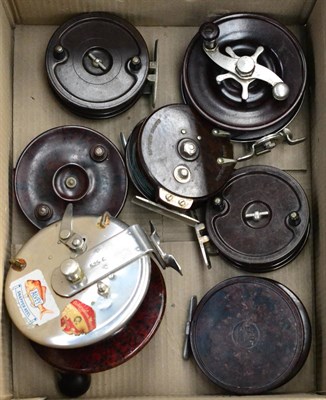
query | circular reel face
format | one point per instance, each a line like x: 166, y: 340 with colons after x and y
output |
x: 250, y: 335
x: 260, y: 220
x: 115, y: 350
x: 70, y: 164
x: 247, y: 101
x: 97, y: 64
x: 50, y: 310
x: 172, y: 155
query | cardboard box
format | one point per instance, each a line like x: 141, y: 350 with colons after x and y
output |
x: 28, y: 108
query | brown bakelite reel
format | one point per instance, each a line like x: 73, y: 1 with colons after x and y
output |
x: 97, y: 64
x: 172, y: 158
x: 246, y: 74
x: 260, y: 220
x: 69, y: 164
x: 250, y: 335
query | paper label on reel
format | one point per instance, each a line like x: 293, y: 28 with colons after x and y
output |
x: 34, y: 299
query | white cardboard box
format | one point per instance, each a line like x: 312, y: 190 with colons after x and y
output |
x: 28, y: 108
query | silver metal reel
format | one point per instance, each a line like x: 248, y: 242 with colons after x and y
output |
x: 82, y: 279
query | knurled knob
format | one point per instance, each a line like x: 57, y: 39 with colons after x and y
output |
x: 71, y: 270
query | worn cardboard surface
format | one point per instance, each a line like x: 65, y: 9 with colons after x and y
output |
x: 318, y: 121
x: 159, y: 369
x: 6, y: 58
x: 156, y: 12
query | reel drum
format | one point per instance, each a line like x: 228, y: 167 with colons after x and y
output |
x: 260, y: 220
x: 250, y: 335
x: 69, y: 164
x: 97, y: 64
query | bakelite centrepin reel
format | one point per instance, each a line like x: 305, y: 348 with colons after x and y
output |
x: 98, y: 65
x: 85, y: 291
x: 172, y: 158
x: 246, y: 74
x: 248, y: 335
x: 260, y: 221
x: 69, y: 164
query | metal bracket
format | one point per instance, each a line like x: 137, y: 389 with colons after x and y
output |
x: 152, y: 77
x: 245, y: 69
x: 174, y: 200
x: 264, y: 145
x: 110, y: 256
x: 203, y: 240
x: 186, y: 346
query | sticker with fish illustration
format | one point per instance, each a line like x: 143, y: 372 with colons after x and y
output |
x: 34, y: 299
x: 78, y: 318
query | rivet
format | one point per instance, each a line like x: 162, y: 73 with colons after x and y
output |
x: 64, y: 234
x: 182, y: 203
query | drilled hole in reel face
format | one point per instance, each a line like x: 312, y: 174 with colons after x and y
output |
x: 69, y: 164
x: 265, y: 221
x: 265, y: 89
x: 172, y: 158
x: 97, y: 64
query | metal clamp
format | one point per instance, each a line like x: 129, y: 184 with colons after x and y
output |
x: 245, y: 69
x: 186, y: 346
x: 152, y: 77
x: 264, y: 145
x: 202, y: 239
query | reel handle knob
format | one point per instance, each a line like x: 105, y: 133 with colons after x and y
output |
x: 73, y: 385
x: 209, y: 32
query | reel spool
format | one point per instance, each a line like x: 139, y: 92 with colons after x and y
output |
x: 69, y: 164
x: 172, y: 158
x: 84, y: 283
x: 238, y: 77
x: 250, y: 335
x: 97, y: 64
x: 260, y: 220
